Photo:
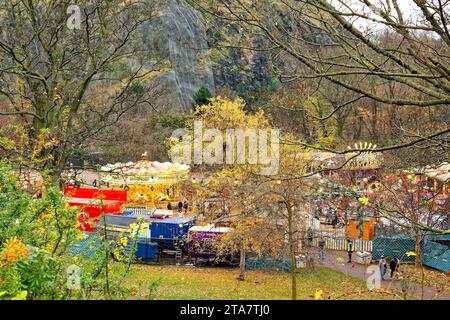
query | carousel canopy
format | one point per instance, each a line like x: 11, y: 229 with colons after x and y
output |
x: 366, y: 160
x: 441, y: 173
x: 32, y: 176
x: 144, y: 171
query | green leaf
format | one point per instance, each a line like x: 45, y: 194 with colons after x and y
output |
x: 22, y: 295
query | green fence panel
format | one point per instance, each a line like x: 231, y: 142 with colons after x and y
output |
x: 264, y: 263
x: 392, y: 247
x: 87, y: 246
x: 436, y: 255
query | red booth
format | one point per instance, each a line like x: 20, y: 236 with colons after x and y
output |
x: 93, y: 203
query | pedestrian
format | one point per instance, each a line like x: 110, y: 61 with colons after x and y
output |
x: 383, y: 267
x: 322, y: 248
x: 180, y: 207
x: 335, y: 221
x: 94, y: 183
x: 393, y: 265
x: 329, y: 215
x: 310, y: 236
x: 185, y: 206
x: 318, y: 213
x: 169, y: 206
x: 349, y: 250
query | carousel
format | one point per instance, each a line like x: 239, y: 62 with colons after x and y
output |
x: 148, y: 183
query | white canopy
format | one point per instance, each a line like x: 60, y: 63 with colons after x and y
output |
x: 441, y: 173
x: 144, y: 172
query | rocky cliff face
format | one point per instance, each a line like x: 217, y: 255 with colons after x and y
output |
x: 178, y: 35
x: 191, y: 47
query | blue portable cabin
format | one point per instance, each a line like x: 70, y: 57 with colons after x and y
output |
x: 146, y: 250
x: 170, y: 233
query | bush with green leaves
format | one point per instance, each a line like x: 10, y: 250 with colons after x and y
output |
x: 35, y: 235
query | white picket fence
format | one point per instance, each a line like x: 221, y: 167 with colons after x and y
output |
x: 138, y: 211
x: 341, y: 244
x: 336, y: 240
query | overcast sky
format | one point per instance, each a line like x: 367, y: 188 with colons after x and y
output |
x: 408, y: 8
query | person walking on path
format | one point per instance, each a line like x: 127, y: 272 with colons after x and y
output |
x: 169, y: 206
x: 335, y: 221
x: 383, y: 267
x: 322, y: 248
x: 185, y: 206
x: 393, y: 265
x: 358, y: 271
x: 349, y: 250
x: 180, y: 207
x: 310, y: 237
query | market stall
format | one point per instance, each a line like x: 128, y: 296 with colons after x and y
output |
x: 94, y: 203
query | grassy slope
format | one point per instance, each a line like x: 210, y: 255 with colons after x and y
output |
x: 220, y: 283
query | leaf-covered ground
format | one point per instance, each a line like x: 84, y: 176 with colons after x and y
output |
x: 432, y: 278
x: 178, y: 282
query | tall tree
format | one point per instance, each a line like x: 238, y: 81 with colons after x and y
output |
x: 71, y: 70
x: 361, y: 47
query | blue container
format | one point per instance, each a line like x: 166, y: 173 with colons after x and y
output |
x: 170, y: 233
x: 152, y: 249
x: 146, y: 250
x: 141, y: 251
x: 170, y: 228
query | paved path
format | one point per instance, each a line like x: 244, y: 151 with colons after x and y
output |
x: 358, y: 271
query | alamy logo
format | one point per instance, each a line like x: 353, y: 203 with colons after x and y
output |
x: 232, y: 146
x: 74, y: 20
x: 374, y: 278
x: 73, y: 277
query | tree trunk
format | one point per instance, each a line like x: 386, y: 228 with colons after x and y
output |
x: 59, y: 163
x: 242, y: 265
x: 418, y: 259
x: 422, y: 281
x: 292, y: 252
